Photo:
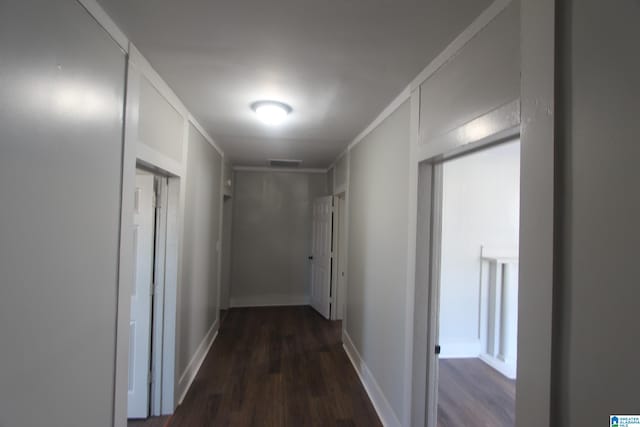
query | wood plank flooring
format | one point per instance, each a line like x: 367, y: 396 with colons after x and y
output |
x: 276, y: 366
x: 150, y: 422
x: 472, y: 394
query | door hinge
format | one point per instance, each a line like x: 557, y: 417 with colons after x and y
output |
x: 150, y: 379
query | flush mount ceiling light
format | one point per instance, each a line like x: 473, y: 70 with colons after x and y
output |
x: 271, y: 112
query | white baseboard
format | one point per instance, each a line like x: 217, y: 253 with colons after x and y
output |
x: 460, y: 349
x: 385, y: 412
x: 195, y: 363
x: 268, y: 300
x: 505, y: 368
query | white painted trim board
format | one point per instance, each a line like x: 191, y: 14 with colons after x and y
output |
x: 269, y: 169
x: 380, y: 403
x: 274, y: 300
x: 196, y: 361
x: 104, y: 20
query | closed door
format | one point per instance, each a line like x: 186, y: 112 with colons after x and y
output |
x: 140, y: 323
x: 321, y: 255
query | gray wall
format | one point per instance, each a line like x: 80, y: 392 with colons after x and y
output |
x: 599, y: 204
x: 271, y: 236
x: 330, y: 180
x: 340, y: 175
x: 225, y: 276
x: 378, y: 213
x: 161, y: 127
x: 198, y: 290
x: 61, y: 107
x: 484, y: 75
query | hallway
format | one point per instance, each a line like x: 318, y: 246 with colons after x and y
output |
x: 276, y: 366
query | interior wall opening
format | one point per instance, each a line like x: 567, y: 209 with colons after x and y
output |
x: 152, y: 308
x: 477, y: 314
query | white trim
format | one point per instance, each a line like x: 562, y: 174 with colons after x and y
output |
x: 433, y: 324
x: 157, y: 326
x: 536, y: 385
x: 460, y: 349
x: 126, y: 268
x: 196, y: 361
x: 105, y: 21
x: 380, y: 403
x: 205, y: 134
x: 171, y: 283
x: 155, y: 159
x: 505, y: 368
x: 182, y: 202
x: 269, y: 169
x: 488, y: 15
x: 272, y: 300
x: 500, y: 123
x: 412, y: 226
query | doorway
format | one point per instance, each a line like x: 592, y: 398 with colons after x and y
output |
x: 152, y: 298
x: 476, y: 287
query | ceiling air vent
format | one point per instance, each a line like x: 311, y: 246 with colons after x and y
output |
x: 284, y: 163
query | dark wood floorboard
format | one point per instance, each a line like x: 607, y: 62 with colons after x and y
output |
x: 149, y: 422
x: 276, y: 366
x: 472, y: 394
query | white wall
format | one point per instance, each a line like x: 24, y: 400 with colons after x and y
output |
x: 61, y: 120
x: 198, y: 289
x: 271, y: 236
x: 378, y: 252
x: 480, y: 208
x: 599, y: 212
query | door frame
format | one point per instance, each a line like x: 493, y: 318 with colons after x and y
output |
x: 435, y: 187
x: 429, y: 157
x: 157, y: 319
x: 317, y: 238
x: 164, y: 301
x: 339, y: 239
x: 137, y: 154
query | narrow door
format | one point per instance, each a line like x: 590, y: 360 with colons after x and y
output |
x: 140, y: 323
x: 321, y: 255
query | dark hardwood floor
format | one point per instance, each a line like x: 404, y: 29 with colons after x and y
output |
x: 276, y: 366
x: 150, y: 422
x: 472, y: 394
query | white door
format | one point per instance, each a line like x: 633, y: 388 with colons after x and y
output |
x: 140, y: 323
x: 321, y: 255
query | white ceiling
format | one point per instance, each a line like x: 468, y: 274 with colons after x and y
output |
x: 338, y: 63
